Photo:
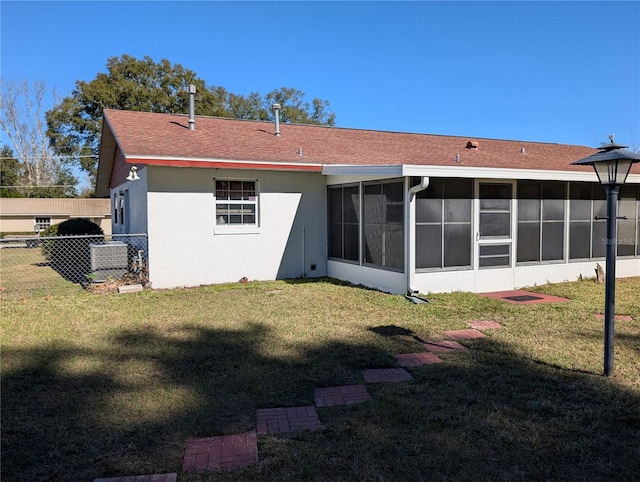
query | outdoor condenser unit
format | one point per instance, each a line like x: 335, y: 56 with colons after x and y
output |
x: 108, y: 259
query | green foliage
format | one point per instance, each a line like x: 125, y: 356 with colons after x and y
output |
x: 50, y: 230
x: 49, y: 244
x: 295, y: 110
x: 56, y: 251
x: 146, y: 85
x: 9, y: 171
x: 75, y: 227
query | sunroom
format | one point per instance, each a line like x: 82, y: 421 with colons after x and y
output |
x: 415, y: 232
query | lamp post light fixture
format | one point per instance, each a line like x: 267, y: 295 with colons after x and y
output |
x: 612, y: 165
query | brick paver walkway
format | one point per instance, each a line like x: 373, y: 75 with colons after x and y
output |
x: 142, y: 478
x: 223, y: 452
x: 464, y: 334
x: 600, y: 316
x: 522, y: 297
x: 289, y: 419
x: 417, y: 359
x: 443, y: 346
x: 484, y: 324
x: 382, y: 375
x: 344, y: 395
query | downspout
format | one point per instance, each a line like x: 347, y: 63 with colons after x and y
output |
x: 410, y: 230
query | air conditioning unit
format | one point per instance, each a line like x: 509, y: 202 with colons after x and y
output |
x: 108, y: 259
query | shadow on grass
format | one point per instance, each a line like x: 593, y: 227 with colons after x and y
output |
x: 396, y: 331
x: 482, y: 414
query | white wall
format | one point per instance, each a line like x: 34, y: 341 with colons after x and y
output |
x: 136, y: 207
x: 523, y: 276
x: 380, y: 279
x: 186, y: 250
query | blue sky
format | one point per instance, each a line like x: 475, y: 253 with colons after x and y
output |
x: 566, y: 72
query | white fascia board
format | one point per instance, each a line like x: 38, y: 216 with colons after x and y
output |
x: 465, y: 172
x: 211, y: 160
x: 633, y: 179
x: 363, y: 170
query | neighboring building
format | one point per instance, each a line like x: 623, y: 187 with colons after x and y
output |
x: 395, y: 211
x: 32, y: 215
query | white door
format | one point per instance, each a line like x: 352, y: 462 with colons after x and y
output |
x: 493, y: 251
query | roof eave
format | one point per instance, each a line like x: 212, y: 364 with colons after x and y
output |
x: 216, y: 163
x: 463, y: 172
x: 108, y: 144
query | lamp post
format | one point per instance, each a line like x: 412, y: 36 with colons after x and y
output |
x: 612, y: 165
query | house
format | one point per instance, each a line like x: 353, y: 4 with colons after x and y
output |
x: 32, y: 215
x: 222, y: 199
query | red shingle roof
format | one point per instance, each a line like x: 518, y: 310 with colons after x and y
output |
x: 165, y: 139
x: 167, y: 136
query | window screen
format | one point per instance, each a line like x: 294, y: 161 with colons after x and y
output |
x: 587, y: 223
x: 344, y: 222
x: 443, y: 224
x: 383, y: 227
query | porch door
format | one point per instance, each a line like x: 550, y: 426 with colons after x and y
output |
x: 494, y: 236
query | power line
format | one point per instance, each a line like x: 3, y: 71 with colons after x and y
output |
x: 37, y: 187
x: 48, y: 157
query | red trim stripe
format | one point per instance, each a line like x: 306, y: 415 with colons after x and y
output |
x: 225, y: 164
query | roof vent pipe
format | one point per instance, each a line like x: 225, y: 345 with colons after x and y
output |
x: 276, y: 113
x: 192, y: 109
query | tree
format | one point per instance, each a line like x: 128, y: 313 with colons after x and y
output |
x: 145, y: 85
x: 129, y: 84
x: 22, y: 120
x: 9, y: 170
x: 295, y: 110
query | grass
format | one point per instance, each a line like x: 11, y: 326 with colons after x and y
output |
x: 113, y: 385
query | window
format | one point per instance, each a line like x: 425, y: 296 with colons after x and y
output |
x: 383, y: 227
x: 494, y: 255
x: 119, y: 207
x: 344, y: 222
x: 114, y: 208
x: 443, y: 224
x: 627, y: 220
x: 41, y: 223
x: 638, y: 220
x: 541, y: 207
x: 236, y: 203
x: 495, y: 210
x: 587, y: 201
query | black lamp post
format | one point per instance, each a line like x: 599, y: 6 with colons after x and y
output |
x: 612, y: 165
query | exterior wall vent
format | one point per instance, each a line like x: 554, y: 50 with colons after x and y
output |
x: 523, y: 150
x: 472, y: 145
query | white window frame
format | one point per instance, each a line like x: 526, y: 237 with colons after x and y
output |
x: 253, y: 228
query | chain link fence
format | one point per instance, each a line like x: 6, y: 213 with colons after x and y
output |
x: 50, y: 265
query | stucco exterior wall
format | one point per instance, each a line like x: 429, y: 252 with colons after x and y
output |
x: 136, y: 205
x: 518, y: 277
x: 186, y: 250
x: 380, y: 279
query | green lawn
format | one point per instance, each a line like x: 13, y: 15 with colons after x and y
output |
x: 105, y: 385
